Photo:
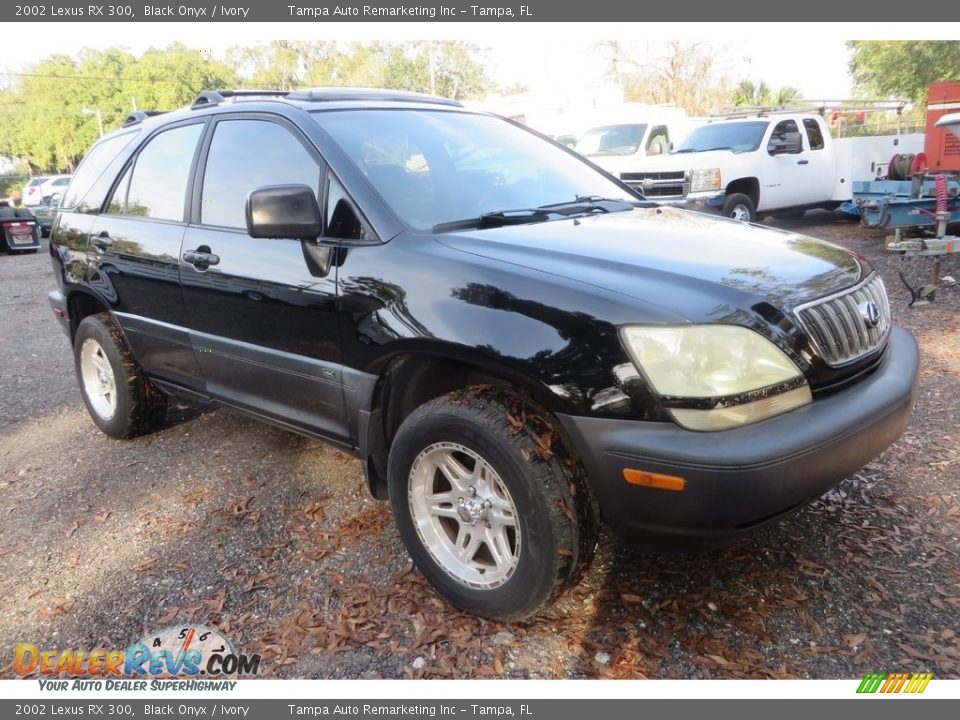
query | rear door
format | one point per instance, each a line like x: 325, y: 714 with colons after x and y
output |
x: 262, y: 312
x: 136, y: 242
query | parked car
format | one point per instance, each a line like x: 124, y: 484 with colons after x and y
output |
x: 45, y: 214
x: 18, y: 230
x: 41, y: 188
x: 32, y: 193
x: 53, y: 185
x: 514, y: 346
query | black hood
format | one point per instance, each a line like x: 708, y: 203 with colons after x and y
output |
x: 702, y: 267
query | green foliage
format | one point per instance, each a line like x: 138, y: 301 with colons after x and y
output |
x: 903, y: 68
x: 50, y: 115
x: 760, y: 95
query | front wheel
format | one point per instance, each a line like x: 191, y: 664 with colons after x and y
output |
x: 122, y: 402
x: 490, y: 503
x: 739, y: 207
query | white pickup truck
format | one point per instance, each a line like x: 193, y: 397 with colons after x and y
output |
x: 765, y: 164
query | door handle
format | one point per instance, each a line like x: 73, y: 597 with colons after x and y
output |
x: 201, y: 258
x: 803, y: 162
x: 101, y: 242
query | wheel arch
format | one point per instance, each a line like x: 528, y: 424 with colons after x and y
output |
x: 410, y: 379
x: 82, y: 304
x: 749, y: 186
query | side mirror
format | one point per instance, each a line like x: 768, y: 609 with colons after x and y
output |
x: 655, y: 149
x: 283, y: 211
x: 789, y: 145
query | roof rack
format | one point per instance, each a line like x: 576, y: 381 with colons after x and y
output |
x: 818, y: 107
x: 206, y: 98
x: 138, y: 116
x: 335, y: 94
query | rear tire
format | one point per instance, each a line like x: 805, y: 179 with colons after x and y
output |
x: 491, y: 504
x: 739, y: 207
x: 122, y: 402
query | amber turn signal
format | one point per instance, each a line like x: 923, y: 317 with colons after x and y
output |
x: 654, y: 480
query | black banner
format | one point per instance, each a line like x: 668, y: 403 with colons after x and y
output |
x: 326, y: 11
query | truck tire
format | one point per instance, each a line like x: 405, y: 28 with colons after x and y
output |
x: 739, y: 207
x: 120, y: 399
x: 490, y: 503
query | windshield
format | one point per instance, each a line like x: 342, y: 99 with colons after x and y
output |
x: 739, y: 137
x: 434, y: 167
x: 612, y: 140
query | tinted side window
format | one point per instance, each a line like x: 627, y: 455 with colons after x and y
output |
x: 92, y: 166
x: 119, y: 200
x: 784, y: 129
x: 158, y: 186
x: 247, y: 154
x: 814, y: 135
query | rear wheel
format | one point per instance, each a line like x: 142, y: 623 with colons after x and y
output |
x: 120, y: 399
x: 490, y: 503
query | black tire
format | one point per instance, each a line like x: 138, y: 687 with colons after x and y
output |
x: 557, y: 519
x: 740, y: 207
x: 139, y: 407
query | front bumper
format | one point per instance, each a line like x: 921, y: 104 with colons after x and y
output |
x: 739, y: 479
x: 701, y: 202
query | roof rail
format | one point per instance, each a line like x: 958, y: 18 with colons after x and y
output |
x: 138, y: 116
x: 206, y: 98
x: 334, y: 94
x: 818, y: 107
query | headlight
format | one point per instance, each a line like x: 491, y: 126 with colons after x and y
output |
x: 714, y: 377
x: 703, y: 180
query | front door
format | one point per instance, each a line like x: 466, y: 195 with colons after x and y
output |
x: 261, y: 312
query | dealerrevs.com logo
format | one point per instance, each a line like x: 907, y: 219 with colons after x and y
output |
x: 908, y: 683
x: 177, y: 652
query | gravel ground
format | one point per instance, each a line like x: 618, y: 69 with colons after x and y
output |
x: 272, y: 538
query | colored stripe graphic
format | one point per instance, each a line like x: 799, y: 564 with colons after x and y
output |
x: 894, y: 683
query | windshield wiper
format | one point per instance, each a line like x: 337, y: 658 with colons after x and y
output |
x: 692, y: 150
x: 498, y: 218
x: 588, y: 204
x: 581, y: 205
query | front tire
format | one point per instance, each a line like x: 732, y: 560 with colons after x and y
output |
x: 739, y: 207
x: 120, y: 399
x: 492, y: 506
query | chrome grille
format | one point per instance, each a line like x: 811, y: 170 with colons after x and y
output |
x: 838, y: 325
x: 673, y: 184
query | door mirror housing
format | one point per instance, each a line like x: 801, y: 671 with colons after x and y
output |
x: 789, y: 145
x: 283, y: 211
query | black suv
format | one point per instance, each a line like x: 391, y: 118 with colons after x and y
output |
x: 514, y: 345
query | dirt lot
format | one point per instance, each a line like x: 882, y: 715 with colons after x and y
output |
x: 271, y: 538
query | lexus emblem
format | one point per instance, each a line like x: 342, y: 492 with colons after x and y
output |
x: 870, y: 313
x: 647, y: 184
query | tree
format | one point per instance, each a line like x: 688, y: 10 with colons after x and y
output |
x: 50, y: 116
x: 760, y: 95
x: 903, y: 68
x: 683, y: 74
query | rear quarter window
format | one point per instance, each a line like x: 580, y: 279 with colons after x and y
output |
x: 93, y: 178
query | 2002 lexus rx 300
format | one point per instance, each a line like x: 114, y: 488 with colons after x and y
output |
x: 514, y: 345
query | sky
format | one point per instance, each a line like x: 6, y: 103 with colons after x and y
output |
x: 808, y: 56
